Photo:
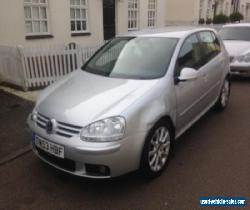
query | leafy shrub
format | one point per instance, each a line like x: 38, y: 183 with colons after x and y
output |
x: 236, y: 17
x: 209, y: 21
x: 201, y: 21
x: 220, y: 19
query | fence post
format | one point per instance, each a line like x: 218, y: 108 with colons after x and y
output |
x: 79, y: 56
x: 23, y: 67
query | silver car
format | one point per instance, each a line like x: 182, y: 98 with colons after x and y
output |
x: 236, y: 38
x: 124, y: 109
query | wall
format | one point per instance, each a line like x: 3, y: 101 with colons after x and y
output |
x: 246, y: 12
x: 12, y: 26
x: 121, y: 16
x: 182, y: 12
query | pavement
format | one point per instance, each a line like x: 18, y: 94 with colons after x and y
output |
x: 14, y: 135
x: 211, y: 159
x: 28, y: 95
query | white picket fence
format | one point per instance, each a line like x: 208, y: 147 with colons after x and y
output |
x: 35, y: 67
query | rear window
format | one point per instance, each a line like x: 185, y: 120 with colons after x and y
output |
x: 235, y: 33
x: 210, y: 46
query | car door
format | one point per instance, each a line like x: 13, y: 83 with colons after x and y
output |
x: 189, y: 93
x: 213, y: 62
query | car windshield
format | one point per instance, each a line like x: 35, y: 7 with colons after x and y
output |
x: 235, y: 33
x: 133, y: 58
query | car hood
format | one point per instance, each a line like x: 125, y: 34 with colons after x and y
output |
x: 82, y: 98
x: 236, y: 48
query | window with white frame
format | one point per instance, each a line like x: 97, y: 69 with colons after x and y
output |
x: 226, y: 8
x: 209, y: 9
x: 201, y: 9
x: 36, y: 17
x: 243, y: 10
x: 78, y: 16
x: 152, y: 8
x: 133, y: 14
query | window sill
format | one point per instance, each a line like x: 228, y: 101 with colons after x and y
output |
x: 43, y: 36
x: 81, y: 34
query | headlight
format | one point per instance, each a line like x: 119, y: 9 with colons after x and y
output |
x: 110, y: 129
x: 247, y: 58
x: 243, y: 58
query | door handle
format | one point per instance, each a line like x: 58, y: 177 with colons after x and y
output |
x: 205, y: 77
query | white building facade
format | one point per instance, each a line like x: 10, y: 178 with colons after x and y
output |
x: 89, y: 22
x: 36, y: 22
x: 209, y: 8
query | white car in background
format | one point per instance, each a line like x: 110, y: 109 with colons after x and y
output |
x: 236, y: 38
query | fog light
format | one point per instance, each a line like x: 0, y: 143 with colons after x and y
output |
x: 97, y: 170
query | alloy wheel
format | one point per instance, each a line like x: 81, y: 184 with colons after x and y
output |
x: 159, y: 149
x: 225, y: 93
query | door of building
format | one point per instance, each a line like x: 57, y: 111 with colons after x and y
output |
x: 109, y: 19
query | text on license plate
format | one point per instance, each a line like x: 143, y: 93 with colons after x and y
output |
x: 49, y: 147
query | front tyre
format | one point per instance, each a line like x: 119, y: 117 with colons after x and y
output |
x: 223, y: 100
x: 156, y: 150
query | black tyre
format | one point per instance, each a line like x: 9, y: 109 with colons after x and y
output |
x: 223, y: 100
x: 157, y: 149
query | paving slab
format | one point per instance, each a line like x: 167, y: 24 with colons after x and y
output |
x: 27, y: 95
x: 14, y: 135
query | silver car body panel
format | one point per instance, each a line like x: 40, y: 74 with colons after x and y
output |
x: 83, y: 98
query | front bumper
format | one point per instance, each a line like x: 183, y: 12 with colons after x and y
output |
x: 240, y: 68
x: 119, y: 157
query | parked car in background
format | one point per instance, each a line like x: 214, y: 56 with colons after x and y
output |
x: 123, y: 110
x: 236, y: 38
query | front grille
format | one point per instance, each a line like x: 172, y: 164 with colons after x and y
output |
x: 62, y: 129
x: 238, y: 70
x: 65, y: 164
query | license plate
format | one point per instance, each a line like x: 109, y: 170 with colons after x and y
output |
x: 47, y: 146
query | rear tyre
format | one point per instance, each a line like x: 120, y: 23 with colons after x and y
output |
x: 223, y: 100
x: 157, y: 150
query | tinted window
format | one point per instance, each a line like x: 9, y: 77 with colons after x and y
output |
x: 189, y: 55
x: 210, y: 46
x: 235, y: 33
x: 133, y: 58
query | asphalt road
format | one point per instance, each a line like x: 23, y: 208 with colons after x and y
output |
x: 211, y: 159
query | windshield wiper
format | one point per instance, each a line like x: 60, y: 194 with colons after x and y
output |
x: 95, y: 71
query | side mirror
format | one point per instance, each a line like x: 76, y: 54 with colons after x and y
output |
x: 187, y: 74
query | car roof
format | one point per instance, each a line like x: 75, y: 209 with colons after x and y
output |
x: 237, y: 25
x: 168, y: 32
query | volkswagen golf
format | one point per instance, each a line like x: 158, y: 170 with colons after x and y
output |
x: 124, y: 108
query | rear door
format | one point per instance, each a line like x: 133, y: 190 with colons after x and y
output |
x: 213, y: 62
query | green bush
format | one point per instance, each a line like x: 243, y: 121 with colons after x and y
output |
x: 201, y: 21
x: 209, y: 21
x: 236, y: 17
x: 220, y: 19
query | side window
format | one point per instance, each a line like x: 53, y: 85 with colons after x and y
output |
x: 210, y: 46
x: 189, y: 55
x: 216, y: 43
